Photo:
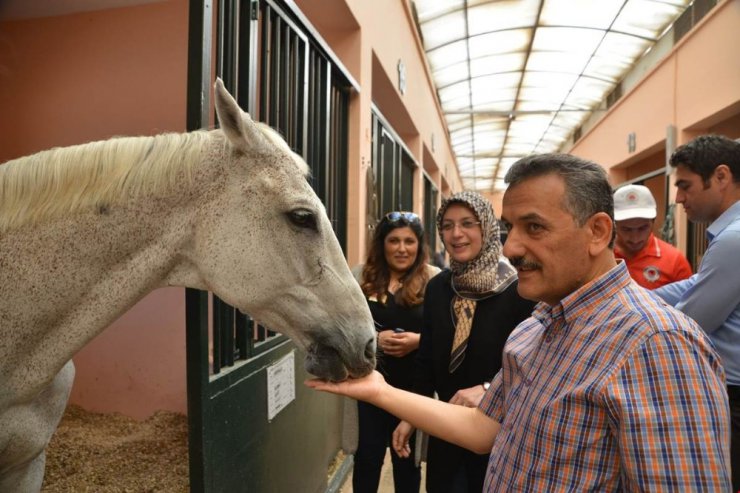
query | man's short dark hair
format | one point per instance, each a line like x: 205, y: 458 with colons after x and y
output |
x: 587, y: 188
x: 703, y: 154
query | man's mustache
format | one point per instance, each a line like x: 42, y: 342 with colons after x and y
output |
x: 523, y: 263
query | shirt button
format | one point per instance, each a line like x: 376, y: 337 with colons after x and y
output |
x: 548, y: 338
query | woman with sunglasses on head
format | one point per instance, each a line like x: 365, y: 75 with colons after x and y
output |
x: 469, y: 311
x: 393, y: 279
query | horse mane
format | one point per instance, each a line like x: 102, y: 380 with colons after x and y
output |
x: 60, y: 181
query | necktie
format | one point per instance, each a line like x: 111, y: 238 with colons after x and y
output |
x: 464, y: 310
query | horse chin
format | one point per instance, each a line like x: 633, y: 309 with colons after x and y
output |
x: 326, y: 363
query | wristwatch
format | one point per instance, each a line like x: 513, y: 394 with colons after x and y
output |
x: 486, y: 385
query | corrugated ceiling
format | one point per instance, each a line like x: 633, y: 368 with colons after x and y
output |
x: 516, y: 77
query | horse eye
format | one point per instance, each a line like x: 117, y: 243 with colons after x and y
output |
x: 303, y: 219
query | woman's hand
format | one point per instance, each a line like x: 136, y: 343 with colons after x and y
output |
x: 398, y: 344
x: 401, y: 436
x: 470, y: 397
x: 367, y: 388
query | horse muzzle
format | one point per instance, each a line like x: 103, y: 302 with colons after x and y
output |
x: 327, y: 363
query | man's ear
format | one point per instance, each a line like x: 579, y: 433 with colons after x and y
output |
x: 601, y: 228
x: 723, y: 175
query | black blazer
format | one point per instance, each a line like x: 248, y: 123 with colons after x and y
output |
x: 494, y: 320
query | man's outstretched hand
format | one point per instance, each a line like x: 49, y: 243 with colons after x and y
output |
x: 368, y: 388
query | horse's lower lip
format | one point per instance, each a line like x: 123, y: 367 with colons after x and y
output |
x: 325, y: 362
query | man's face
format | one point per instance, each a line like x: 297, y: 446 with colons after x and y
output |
x: 548, y: 248
x: 633, y: 234
x: 701, y: 202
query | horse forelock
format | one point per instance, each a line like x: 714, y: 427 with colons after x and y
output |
x: 60, y: 181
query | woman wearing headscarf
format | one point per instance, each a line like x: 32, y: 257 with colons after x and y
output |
x: 469, y: 311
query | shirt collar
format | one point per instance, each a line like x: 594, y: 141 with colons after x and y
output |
x: 723, y: 220
x: 584, y: 297
x: 651, y: 249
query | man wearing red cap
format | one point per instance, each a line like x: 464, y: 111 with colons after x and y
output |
x: 651, y: 261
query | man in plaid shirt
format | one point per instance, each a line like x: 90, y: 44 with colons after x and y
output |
x: 605, y: 387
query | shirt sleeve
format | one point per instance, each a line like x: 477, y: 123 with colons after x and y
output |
x: 668, y: 412
x: 671, y: 293
x: 492, y: 402
x: 715, y: 289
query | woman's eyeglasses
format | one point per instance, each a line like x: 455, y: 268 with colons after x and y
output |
x: 395, y: 216
x: 465, y: 224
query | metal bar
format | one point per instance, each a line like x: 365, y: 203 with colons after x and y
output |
x: 242, y: 342
x: 196, y: 341
x: 226, y: 61
x: 200, y: 19
x: 275, y: 74
x: 509, y: 114
x: 229, y: 346
x: 307, y: 27
x: 246, y: 57
x: 283, y: 82
x: 389, y: 129
x: 199, y: 64
x: 265, y: 79
x: 216, y: 335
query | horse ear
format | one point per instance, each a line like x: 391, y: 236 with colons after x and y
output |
x: 237, y: 125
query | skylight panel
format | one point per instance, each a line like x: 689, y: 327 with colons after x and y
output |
x: 498, y: 16
x: 482, y: 184
x: 458, y: 104
x: 444, y: 30
x: 531, y: 71
x: 447, y: 55
x: 646, y: 18
x: 566, y: 62
x: 622, y: 46
x: 497, y: 64
x: 566, y: 39
x: 596, y: 14
x: 498, y: 43
x: 429, y: 9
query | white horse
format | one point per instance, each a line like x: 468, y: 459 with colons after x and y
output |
x: 87, y: 231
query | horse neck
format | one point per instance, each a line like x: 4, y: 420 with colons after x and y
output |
x: 68, y: 279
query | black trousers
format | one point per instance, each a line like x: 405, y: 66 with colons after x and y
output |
x: 453, y: 469
x: 376, y: 431
x: 733, y: 391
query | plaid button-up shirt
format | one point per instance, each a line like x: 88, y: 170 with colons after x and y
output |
x: 609, y: 390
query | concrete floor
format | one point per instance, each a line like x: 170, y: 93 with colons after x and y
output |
x: 386, y: 478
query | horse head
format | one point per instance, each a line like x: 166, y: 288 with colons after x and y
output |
x: 264, y: 244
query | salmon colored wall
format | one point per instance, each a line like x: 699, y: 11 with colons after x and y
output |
x: 694, y: 89
x: 697, y: 82
x: 76, y: 78
x: 646, y: 111
x: 370, y: 38
x: 707, y: 67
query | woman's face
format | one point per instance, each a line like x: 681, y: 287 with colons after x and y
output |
x: 461, y: 233
x: 401, y: 248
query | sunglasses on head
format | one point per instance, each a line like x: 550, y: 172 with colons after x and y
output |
x: 396, y: 216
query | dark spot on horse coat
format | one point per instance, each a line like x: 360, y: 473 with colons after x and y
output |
x: 103, y: 209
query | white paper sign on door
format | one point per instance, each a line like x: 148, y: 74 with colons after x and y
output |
x: 280, y: 385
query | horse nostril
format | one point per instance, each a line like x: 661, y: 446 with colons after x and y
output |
x: 370, y: 349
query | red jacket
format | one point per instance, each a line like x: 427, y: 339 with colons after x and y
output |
x: 657, y: 264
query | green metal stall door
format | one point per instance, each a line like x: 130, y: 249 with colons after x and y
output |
x: 234, y: 447
x: 277, y: 71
